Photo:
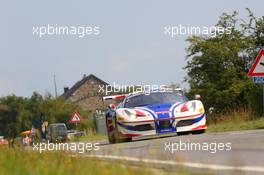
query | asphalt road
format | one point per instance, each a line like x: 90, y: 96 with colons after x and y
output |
x: 240, y: 152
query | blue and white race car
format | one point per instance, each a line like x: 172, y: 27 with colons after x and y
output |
x: 151, y: 113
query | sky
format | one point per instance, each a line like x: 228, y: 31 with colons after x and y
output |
x: 130, y: 49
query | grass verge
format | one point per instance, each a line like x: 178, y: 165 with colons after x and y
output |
x: 91, y: 137
x: 26, y: 162
x: 21, y: 162
x: 236, y: 125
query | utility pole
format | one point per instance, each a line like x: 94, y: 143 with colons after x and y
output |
x: 55, y: 85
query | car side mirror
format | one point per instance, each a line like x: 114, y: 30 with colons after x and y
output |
x: 197, y: 96
x: 112, y: 106
x: 211, y: 110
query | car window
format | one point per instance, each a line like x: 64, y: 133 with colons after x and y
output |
x: 155, y: 98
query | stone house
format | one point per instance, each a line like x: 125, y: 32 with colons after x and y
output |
x: 87, y: 93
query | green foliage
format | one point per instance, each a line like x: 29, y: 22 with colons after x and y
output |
x: 18, y: 114
x: 217, y: 67
x: 236, y: 125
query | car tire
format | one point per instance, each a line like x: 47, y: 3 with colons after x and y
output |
x: 128, y: 140
x: 183, y: 133
x: 114, y: 138
x: 198, y: 132
x: 115, y: 135
x: 111, y: 137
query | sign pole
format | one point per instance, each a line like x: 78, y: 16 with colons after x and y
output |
x: 263, y: 99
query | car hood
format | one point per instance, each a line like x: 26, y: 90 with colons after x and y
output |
x: 160, y: 111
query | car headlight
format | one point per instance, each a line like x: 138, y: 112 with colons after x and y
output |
x: 125, y: 113
x: 128, y: 113
x: 201, y: 110
x: 120, y: 118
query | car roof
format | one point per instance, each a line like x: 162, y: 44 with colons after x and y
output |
x: 154, y: 91
x: 57, y: 124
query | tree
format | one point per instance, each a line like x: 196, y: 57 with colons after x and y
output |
x: 18, y: 114
x: 13, y: 115
x: 217, y: 66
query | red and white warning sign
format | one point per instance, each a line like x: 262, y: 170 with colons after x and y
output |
x: 257, y: 70
x: 75, y: 118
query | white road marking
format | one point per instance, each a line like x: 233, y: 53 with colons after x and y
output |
x: 187, y: 164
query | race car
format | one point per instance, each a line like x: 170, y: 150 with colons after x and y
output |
x: 152, y: 113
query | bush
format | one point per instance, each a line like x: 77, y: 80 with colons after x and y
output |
x: 18, y: 114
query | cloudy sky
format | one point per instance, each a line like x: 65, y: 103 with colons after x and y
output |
x: 131, y: 46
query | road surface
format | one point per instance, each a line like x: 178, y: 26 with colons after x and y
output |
x: 240, y: 152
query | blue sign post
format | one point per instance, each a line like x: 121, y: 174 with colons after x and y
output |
x: 258, y: 80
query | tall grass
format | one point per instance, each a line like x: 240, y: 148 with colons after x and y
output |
x: 21, y: 162
x: 231, y: 116
x: 242, y: 119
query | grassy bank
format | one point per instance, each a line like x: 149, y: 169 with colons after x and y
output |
x: 236, y: 125
x: 22, y: 162
x: 94, y: 137
x: 13, y: 161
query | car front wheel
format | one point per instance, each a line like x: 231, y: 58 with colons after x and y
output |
x: 113, y: 137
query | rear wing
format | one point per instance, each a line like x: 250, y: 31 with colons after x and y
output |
x: 121, y: 96
x: 167, y: 88
x: 114, y: 97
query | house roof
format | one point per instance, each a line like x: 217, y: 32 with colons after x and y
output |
x: 80, y: 83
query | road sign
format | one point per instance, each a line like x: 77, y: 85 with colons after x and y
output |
x: 258, y: 80
x: 257, y: 69
x: 75, y: 118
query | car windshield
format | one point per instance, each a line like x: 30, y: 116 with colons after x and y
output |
x: 154, y: 98
x: 61, y: 127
